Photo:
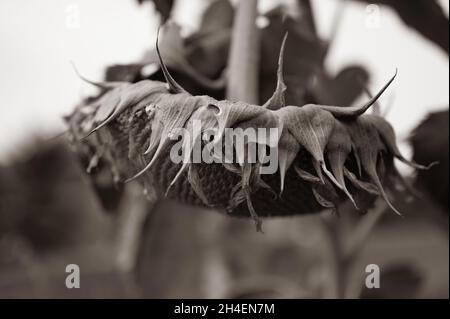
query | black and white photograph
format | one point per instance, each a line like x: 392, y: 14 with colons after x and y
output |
x: 236, y: 151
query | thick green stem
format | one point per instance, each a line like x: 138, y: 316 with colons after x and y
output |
x: 243, y: 64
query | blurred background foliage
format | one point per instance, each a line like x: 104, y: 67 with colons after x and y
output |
x: 52, y: 213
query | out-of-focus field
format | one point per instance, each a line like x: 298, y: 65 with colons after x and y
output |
x: 188, y: 252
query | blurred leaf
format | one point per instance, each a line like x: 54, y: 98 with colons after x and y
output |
x: 342, y: 89
x: 208, y: 53
x: 430, y: 143
x: 123, y: 72
x: 218, y: 16
x: 175, y: 56
x: 308, y: 15
x: 303, y: 59
x: 164, y: 7
x: 171, y: 46
x: 426, y: 16
x: 207, y: 50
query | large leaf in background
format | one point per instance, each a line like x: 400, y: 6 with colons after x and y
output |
x: 430, y: 143
x: 219, y: 15
x: 175, y: 55
x: 164, y: 7
x: 193, y: 61
x: 426, y: 16
x: 208, y: 54
x: 305, y: 75
x: 303, y: 56
x: 342, y: 89
x: 207, y: 49
x: 124, y: 73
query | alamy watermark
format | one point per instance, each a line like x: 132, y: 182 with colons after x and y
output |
x: 73, y: 17
x: 373, y: 277
x: 373, y: 16
x: 231, y: 146
x: 73, y: 278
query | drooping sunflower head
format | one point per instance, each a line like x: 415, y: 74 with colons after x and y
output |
x: 324, y: 154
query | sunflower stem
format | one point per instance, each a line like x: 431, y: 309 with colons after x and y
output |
x: 243, y: 63
x: 337, y: 284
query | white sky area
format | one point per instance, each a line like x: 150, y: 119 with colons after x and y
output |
x: 39, y: 38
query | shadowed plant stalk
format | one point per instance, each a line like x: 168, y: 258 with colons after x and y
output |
x: 345, y: 245
x: 243, y: 64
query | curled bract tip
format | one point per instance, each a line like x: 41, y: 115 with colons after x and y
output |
x: 355, y: 111
x: 101, y: 85
x: 174, y: 87
x: 277, y: 100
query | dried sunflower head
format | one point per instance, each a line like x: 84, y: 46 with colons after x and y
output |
x: 325, y: 154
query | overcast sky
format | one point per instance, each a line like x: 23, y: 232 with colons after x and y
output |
x: 40, y: 37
